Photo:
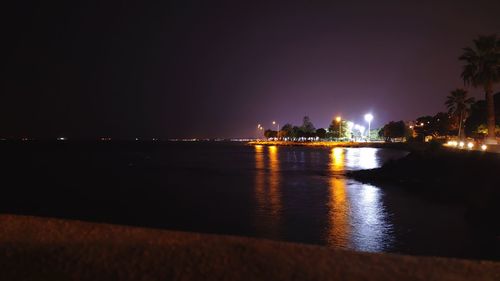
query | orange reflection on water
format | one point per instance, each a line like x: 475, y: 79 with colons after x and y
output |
x: 339, y: 228
x: 260, y: 174
x: 337, y: 159
x: 274, y: 180
x: 267, y: 190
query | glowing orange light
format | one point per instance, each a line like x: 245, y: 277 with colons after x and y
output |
x: 339, y: 229
x: 337, y: 159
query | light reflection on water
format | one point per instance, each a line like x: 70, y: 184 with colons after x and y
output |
x: 339, y: 228
x: 354, y: 215
x: 361, y: 158
x: 267, y: 185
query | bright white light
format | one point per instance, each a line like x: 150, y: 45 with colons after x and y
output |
x: 461, y: 144
x: 484, y: 147
x: 361, y: 129
x: 61, y: 139
x: 470, y: 145
x: 356, y: 126
x: 368, y: 117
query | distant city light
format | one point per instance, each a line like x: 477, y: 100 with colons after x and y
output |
x: 461, y: 144
x: 338, y: 119
x: 61, y: 139
x: 470, y: 145
x: 484, y: 147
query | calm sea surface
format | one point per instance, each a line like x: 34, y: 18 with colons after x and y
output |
x: 300, y: 194
x: 297, y: 194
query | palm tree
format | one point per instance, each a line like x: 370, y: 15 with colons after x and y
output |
x: 482, y: 69
x: 458, y: 105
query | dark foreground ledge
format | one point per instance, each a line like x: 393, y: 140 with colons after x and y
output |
x: 52, y: 249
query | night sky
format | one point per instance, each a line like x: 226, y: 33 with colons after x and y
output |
x: 216, y: 69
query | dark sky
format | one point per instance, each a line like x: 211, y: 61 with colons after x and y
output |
x: 217, y: 68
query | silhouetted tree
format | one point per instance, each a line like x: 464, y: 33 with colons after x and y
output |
x: 321, y: 133
x: 270, y: 133
x: 423, y: 127
x: 442, y: 124
x: 394, y: 130
x: 435, y: 126
x: 482, y: 69
x: 458, y: 105
x: 477, y: 116
x: 307, y: 127
x: 297, y: 132
x: 286, y: 131
x: 381, y: 133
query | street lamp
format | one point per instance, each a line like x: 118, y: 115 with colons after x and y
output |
x: 259, y: 129
x: 339, y: 120
x: 275, y: 123
x: 368, y: 118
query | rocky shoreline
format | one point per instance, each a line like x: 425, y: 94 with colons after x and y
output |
x: 466, y: 178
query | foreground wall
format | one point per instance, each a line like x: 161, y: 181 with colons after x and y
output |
x: 51, y: 249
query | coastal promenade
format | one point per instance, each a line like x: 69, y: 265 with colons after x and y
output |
x: 317, y: 143
x: 34, y: 248
x: 377, y: 144
x: 326, y: 143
